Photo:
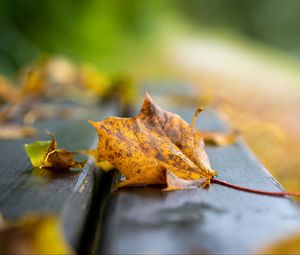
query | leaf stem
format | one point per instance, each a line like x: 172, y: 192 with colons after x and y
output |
x: 256, y: 191
x: 200, y: 109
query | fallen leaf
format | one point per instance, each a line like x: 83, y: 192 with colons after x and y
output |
x: 43, y: 111
x: 98, y: 161
x: 216, y: 138
x: 144, y: 147
x: 62, y: 71
x: 123, y: 92
x: 289, y: 245
x: 32, y: 88
x: 7, y: 111
x: 159, y: 147
x: 8, y: 92
x: 16, y: 132
x: 34, y: 85
x: 93, y: 80
x: 219, y: 138
x: 44, y: 154
x: 33, y: 234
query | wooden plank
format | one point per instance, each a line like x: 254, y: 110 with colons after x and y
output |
x: 217, y: 220
x: 25, y: 190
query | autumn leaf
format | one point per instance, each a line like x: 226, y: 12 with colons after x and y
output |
x: 159, y: 147
x: 33, y: 87
x: 216, y: 138
x: 93, y: 80
x: 34, y: 84
x: 288, y: 245
x: 219, y: 138
x: 98, y: 161
x: 144, y: 147
x: 8, y: 93
x: 33, y: 234
x: 44, y: 154
x: 16, y: 132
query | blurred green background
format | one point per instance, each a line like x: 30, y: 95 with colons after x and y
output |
x: 111, y: 33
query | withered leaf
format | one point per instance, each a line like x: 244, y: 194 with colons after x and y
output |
x: 219, y: 138
x: 287, y: 245
x: 16, y: 132
x: 8, y: 93
x: 44, y: 154
x: 34, y: 84
x: 93, y: 80
x: 33, y: 234
x: 98, y: 161
x: 159, y: 147
x: 216, y: 138
x: 143, y: 148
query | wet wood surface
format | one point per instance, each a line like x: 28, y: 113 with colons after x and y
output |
x: 213, y: 221
x: 24, y: 190
x: 146, y: 220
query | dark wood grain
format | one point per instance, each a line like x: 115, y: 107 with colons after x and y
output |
x: 217, y: 220
x: 24, y: 190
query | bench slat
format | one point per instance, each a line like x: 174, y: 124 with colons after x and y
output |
x: 217, y: 220
x: 25, y: 190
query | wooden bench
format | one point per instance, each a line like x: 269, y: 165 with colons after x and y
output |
x: 146, y: 220
x: 24, y: 190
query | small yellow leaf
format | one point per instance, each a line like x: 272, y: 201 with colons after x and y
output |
x: 93, y: 80
x: 105, y: 165
x: 8, y: 92
x: 16, y: 132
x: 289, y: 245
x: 218, y: 138
x: 98, y: 162
x: 33, y: 234
x: 34, y: 84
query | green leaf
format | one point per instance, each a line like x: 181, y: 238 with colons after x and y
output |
x: 44, y: 154
x: 37, y: 152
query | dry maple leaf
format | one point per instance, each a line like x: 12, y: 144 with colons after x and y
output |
x: 144, y: 147
x: 159, y: 147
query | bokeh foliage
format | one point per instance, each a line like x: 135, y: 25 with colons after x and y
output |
x: 101, y: 32
x: 109, y: 32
